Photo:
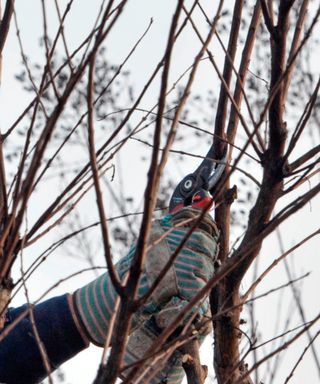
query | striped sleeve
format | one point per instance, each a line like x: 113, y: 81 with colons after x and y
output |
x: 96, y: 301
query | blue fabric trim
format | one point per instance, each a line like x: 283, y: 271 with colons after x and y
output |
x: 20, y: 360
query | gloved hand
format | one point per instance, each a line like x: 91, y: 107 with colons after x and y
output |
x: 192, y: 268
x: 168, y: 368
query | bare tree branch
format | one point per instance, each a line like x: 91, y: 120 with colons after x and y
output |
x: 267, y: 18
x: 5, y: 23
x: 5, y: 281
x: 304, y: 158
x: 196, y: 373
x: 111, y: 371
x: 310, y: 344
x: 93, y: 162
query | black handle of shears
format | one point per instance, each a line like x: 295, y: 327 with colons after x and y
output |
x: 204, y: 179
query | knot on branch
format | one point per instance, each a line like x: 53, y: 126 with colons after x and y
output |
x: 243, y: 368
x: 195, y: 372
x: 231, y: 195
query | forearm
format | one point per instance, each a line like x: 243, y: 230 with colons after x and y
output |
x: 20, y: 359
x: 58, y: 319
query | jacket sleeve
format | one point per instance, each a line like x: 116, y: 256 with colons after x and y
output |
x: 20, y: 359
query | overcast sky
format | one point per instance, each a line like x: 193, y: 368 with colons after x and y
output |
x: 82, y: 369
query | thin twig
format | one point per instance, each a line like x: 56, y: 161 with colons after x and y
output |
x: 310, y: 344
x: 41, y: 346
x: 277, y: 261
x: 298, y: 301
x: 93, y: 163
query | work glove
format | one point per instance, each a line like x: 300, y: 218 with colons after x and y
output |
x: 167, y: 368
x: 192, y: 268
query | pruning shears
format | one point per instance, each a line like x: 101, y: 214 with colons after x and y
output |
x: 196, y: 189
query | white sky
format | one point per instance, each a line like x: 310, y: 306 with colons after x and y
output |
x: 132, y: 24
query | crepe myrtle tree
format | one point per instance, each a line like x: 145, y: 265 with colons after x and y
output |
x: 262, y: 105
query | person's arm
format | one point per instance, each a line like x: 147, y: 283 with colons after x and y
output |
x: 20, y: 359
x: 191, y: 269
x: 66, y: 323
